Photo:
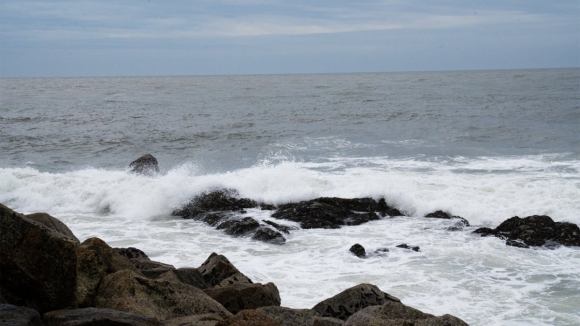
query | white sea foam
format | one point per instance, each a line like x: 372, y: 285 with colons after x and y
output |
x: 478, y: 279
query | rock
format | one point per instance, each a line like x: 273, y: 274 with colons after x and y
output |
x: 96, y: 317
x: 268, y: 235
x: 217, y: 268
x: 130, y: 292
x: 195, y: 320
x: 145, y: 165
x: 443, y: 215
x: 289, y: 316
x: 215, y: 201
x: 396, y: 314
x: 131, y: 253
x: 53, y: 224
x: 237, y: 278
x: 351, y: 300
x: 38, y: 263
x: 94, y: 260
x: 239, y: 227
x: 142, y: 263
x: 358, y: 250
x: 249, y: 318
x: 21, y: 316
x: 279, y: 227
x: 327, y: 321
x: 238, y: 297
x: 536, y: 230
x: 191, y: 276
x: 406, y: 246
x: 329, y: 213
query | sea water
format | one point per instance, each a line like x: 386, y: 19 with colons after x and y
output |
x: 485, y: 145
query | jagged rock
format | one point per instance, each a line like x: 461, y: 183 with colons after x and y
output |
x: 94, y: 260
x: 279, y: 227
x: 127, y: 291
x: 142, y: 263
x: 191, y: 276
x: 215, y: 201
x: 443, y: 215
x: 145, y: 165
x: 358, y: 250
x: 217, y: 268
x: 21, y: 316
x: 237, y: 278
x: 406, y: 246
x: 329, y: 213
x: 38, y: 263
x: 238, y: 297
x: 289, y: 316
x: 249, y: 318
x: 267, y: 207
x: 397, y: 314
x: 239, y: 227
x: 195, y: 320
x: 351, y: 300
x: 327, y: 321
x: 96, y: 317
x: 53, y: 224
x: 268, y: 235
x: 535, y: 230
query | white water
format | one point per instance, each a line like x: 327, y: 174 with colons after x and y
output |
x: 480, y: 280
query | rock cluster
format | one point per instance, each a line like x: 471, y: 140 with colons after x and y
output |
x: 49, y: 278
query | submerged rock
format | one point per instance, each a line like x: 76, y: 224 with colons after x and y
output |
x: 358, y: 250
x: 406, y: 246
x: 535, y: 230
x: 145, y: 165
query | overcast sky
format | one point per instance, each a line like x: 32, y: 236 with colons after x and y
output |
x: 136, y: 38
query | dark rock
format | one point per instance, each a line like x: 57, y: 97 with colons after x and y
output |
x: 279, y: 227
x: 127, y: 291
x: 19, y: 316
x: 381, y: 251
x: 358, y: 250
x: 249, y: 318
x: 215, y: 201
x: 515, y: 243
x: 238, y: 297
x: 406, y: 246
x: 536, y: 230
x: 131, y: 253
x: 53, y: 224
x: 397, y: 314
x: 145, y: 165
x: 329, y: 213
x: 94, y: 260
x: 38, y: 263
x: 96, y: 317
x: 327, y: 321
x: 289, y: 316
x: 216, y: 268
x: 268, y: 235
x: 191, y: 276
x: 443, y: 215
x: 239, y: 227
x: 142, y: 263
x: 237, y: 278
x: 267, y: 207
x: 351, y: 300
x: 195, y: 320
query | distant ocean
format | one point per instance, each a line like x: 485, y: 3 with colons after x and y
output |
x: 485, y: 145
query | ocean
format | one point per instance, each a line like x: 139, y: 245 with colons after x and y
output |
x: 484, y: 145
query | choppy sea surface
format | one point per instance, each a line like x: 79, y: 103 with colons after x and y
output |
x: 485, y: 145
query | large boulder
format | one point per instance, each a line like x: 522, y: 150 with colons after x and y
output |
x: 289, y: 316
x: 94, y: 261
x: 21, y: 316
x: 536, y: 230
x: 145, y: 165
x: 130, y: 292
x: 142, y: 263
x: 214, y: 201
x: 217, y: 268
x: 96, y: 317
x: 351, y: 300
x: 249, y: 318
x: 238, y: 297
x: 194, y: 320
x: 38, y: 263
x: 396, y: 314
x: 53, y: 224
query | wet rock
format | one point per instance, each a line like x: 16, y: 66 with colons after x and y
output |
x: 96, y: 317
x: 237, y: 297
x: 53, y: 224
x: 145, y: 165
x: 142, y: 263
x: 214, y: 201
x: 358, y: 250
x: 249, y: 318
x: 536, y: 230
x: 239, y: 227
x: 94, y: 261
x: 22, y: 316
x: 406, y: 246
x: 127, y: 291
x: 217, y: 268
x: 268, y: 235
x: 195, y: 320
x: 279, y: 227
x: 381, y: 251
x: 351, y: 300
x: 289, y: 316
x: 38, y: 263
x: 443, y: 215
x: 267, y: 207
x: 396, y: 314
x: 515, y: 243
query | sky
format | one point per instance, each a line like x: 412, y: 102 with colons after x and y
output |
x: 54, y: 38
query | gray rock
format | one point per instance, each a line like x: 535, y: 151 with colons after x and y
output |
x: 289, y: 316
x: 328, y: 321
x: 216, y: 268
x: 96, y: 317
x: 191, y: 276
x: 11, y: 315
x: 237, y: 278
x: 145, y: 165
x: 249, y: 318
x: 195, y: 320
x: 238, y: 297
